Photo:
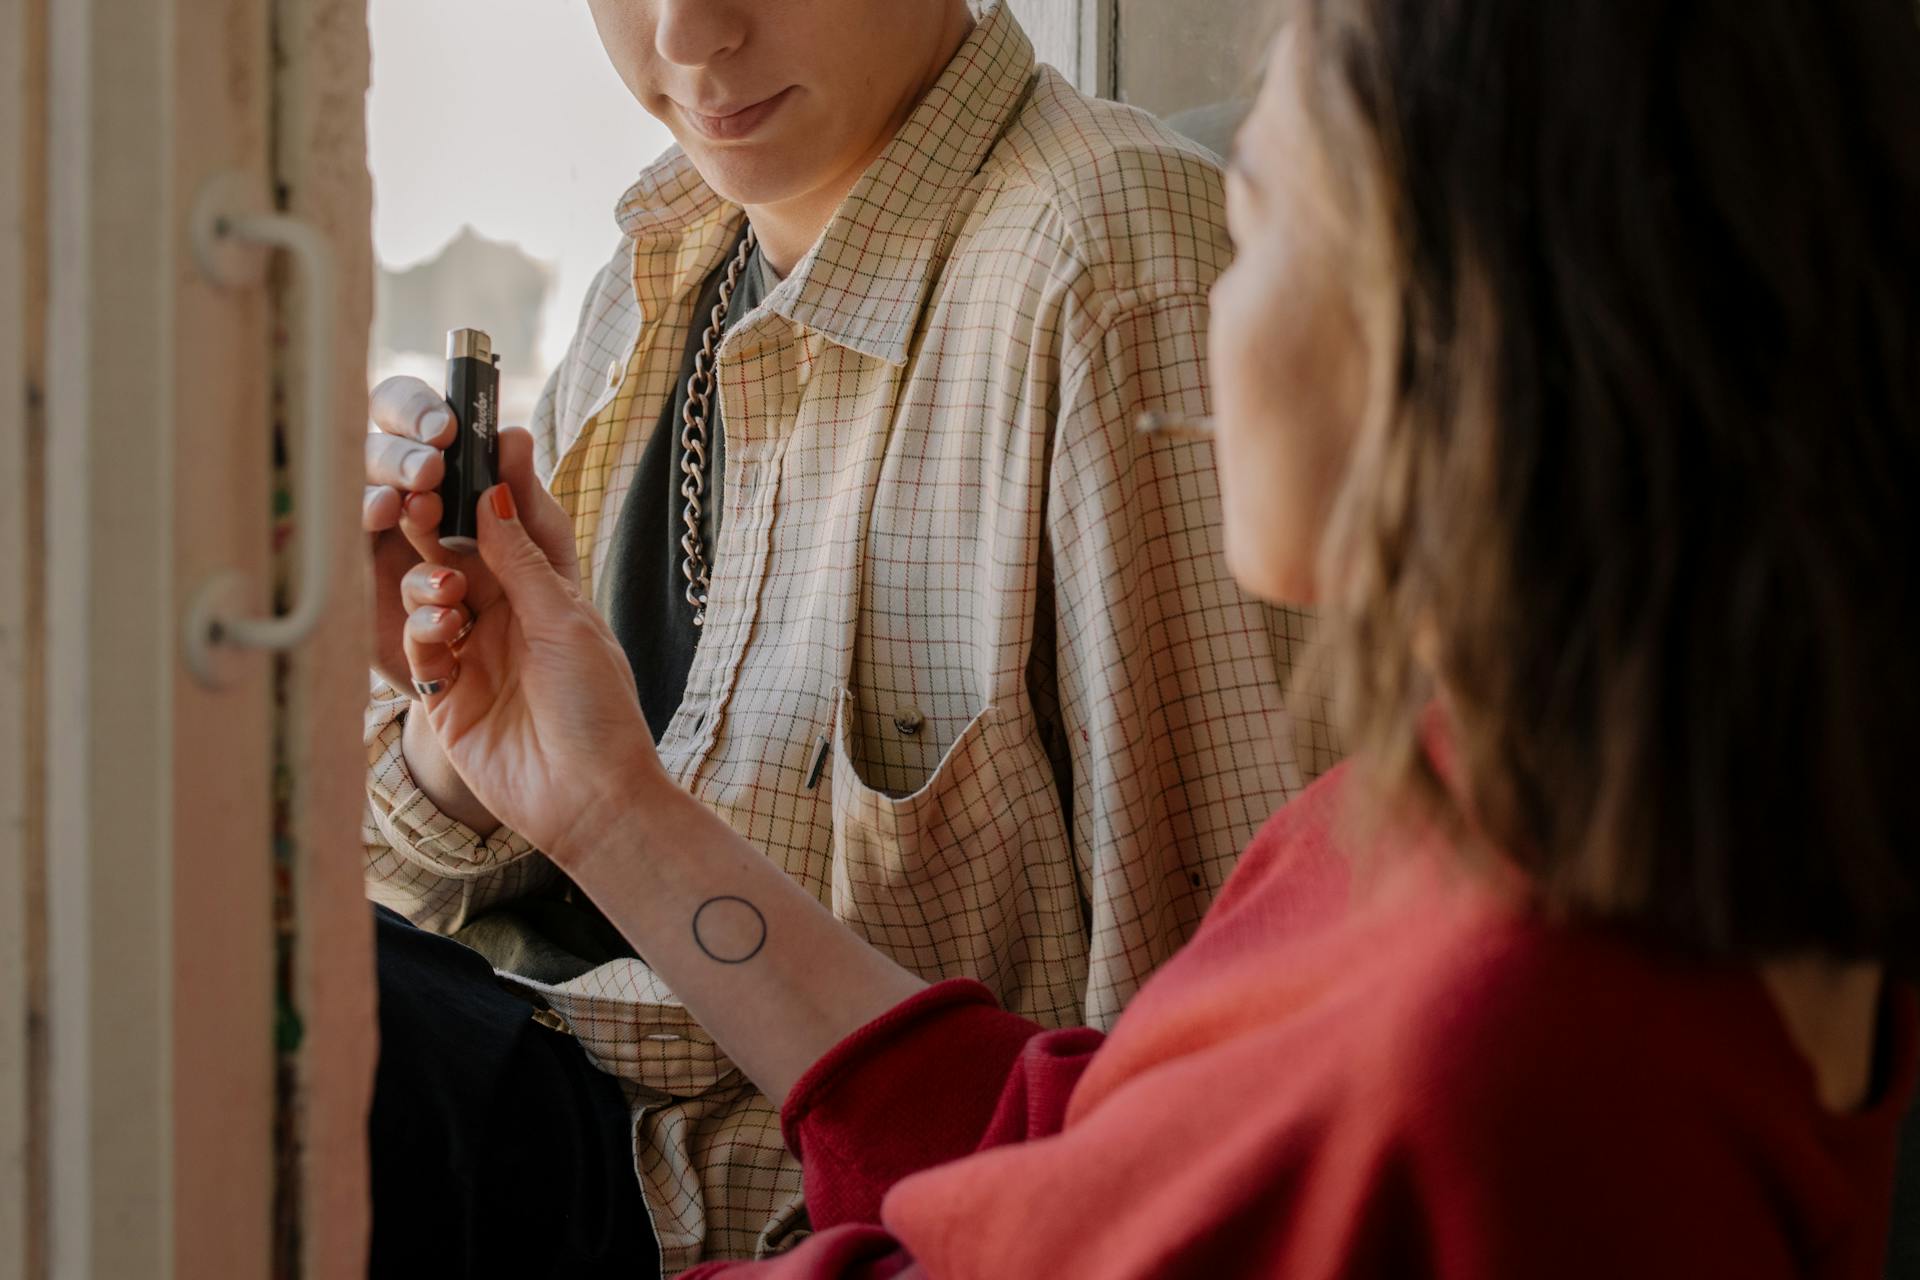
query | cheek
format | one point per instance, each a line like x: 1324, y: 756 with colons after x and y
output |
x: 626, y: 33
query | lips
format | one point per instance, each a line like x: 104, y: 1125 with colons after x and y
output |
x: 730, y: 124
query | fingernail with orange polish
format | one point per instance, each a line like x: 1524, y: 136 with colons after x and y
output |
x: 441, y: 579
x: 503, y: 502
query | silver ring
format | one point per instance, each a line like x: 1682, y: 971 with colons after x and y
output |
x: 432, y: 688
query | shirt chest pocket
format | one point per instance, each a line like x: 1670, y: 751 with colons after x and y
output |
x: 970, y: 874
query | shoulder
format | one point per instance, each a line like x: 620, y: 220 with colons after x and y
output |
x: 1504, y: 1009
x: 1138, y: 209
x: 1521, y: 1050
x: 609, y: 298
x: 603, y: 335
x: 609, y: 315
x: 1295, y: 875
x: 1556, y: 1105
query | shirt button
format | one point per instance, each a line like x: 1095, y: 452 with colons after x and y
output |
x: 909, y: 721
x: 613, y: 374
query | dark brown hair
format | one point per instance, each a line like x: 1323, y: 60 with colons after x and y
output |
x: 1642, y: 511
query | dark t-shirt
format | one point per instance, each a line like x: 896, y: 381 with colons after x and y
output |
x: 644, y: 585
x: 561, y: 935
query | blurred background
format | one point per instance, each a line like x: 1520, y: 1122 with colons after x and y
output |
x: 499, y: 139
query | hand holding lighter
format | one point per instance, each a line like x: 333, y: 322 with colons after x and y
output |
x: 473, y: 459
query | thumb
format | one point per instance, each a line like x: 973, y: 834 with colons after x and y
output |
x: 528, y: 578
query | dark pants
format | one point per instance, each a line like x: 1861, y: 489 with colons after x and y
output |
x: 497, y: 1148
x: 1903, y: 1252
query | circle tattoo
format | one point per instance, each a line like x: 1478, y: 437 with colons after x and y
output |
x: 729, y: 930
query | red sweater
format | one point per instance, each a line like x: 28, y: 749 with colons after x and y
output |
x: 1427, y: 1085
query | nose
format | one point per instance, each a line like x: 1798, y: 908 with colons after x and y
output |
x: 698, y: 33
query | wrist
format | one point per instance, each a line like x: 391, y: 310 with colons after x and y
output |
x: 435, y: 776
x: 634, y: 800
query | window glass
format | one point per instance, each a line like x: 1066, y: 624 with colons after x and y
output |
x: 500, y: 139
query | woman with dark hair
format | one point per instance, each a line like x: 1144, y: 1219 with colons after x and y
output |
x: 1569, y: 362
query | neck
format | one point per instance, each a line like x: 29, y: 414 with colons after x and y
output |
x: 1831, y: 1011
x: 789, y: 228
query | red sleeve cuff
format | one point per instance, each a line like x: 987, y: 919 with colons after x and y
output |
x: 915, y: 1087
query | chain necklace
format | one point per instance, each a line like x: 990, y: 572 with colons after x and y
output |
x: 693, y: 436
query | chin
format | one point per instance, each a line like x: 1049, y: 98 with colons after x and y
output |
x: 731, y: 171
x: 1264, y: 573
x: 749, y: 174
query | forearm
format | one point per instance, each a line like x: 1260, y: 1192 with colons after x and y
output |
x: 774, y: 978
x: 434, y: 774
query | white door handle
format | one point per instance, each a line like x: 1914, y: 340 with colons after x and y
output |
x: 221, y: 222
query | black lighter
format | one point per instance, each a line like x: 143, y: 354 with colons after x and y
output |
x: 473, y: 459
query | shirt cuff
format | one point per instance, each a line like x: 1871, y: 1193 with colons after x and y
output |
x: 916, y: 1087
x: 415, y: 827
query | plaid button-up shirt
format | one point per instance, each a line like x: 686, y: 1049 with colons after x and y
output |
x: 973, y: 670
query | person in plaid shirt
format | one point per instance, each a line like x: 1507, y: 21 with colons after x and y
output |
x: 844, y: 450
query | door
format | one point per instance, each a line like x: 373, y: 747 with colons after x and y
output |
x: 184, y: 267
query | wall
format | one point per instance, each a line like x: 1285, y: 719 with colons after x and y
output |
x: 1181, y: 59
x: 1073, y: 35
x: 1175, y: 55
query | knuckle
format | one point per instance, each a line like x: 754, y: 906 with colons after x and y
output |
x: 381, y: 393
x: 399, y: 402
x: 387, y: 398
x: 376, y: 509
x: 383, y: 449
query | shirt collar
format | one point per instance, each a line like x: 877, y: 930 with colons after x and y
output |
x: 862, y: 284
